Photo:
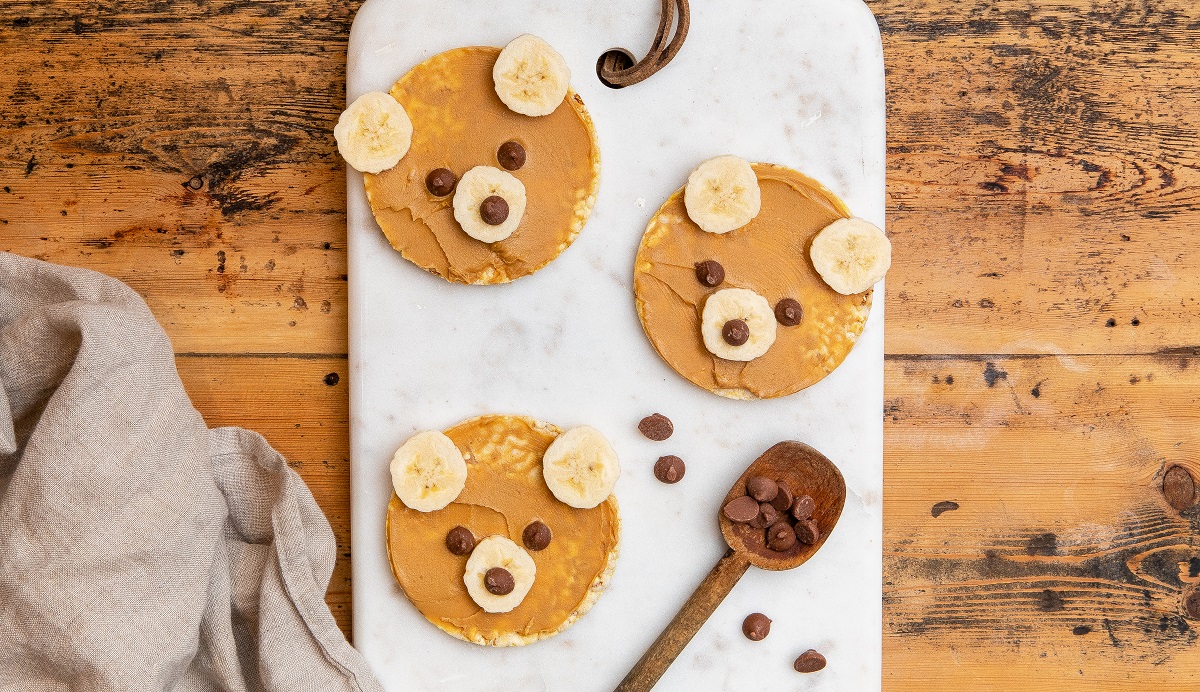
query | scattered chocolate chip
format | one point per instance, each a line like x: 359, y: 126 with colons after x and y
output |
x: 440, y: 182
x: 788, y: 312
x: 736, y: 332
x: 460, y: 540
x: 494, y: 210
x: 536, y: 536
x: 756, y: 627
x: 741, y: 509
x: 767, y: 515
x: 780, y: 536
x: 1179, y: 488
x: 669, y: 469
x: 942, y: 507
x: 803, y: 508
x: 710, y: 273
x: 783, y: 500
x: 656, y: 427
x: 762, y: 488
x: 807, y: 531
x: 809, y: 662
x: 499, y: 581
x: 511, y: 156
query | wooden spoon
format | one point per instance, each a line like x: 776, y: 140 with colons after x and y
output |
x: 802, y: 469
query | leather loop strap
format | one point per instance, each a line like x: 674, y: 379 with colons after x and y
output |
x: 615, y: 68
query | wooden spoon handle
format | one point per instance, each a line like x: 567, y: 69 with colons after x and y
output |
x: 703, y: 601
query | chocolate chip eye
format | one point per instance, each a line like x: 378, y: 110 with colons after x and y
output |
x: 710, y: 273
x: 511, y: 156
x: 494, y: 210
x: 440, y: 182
x: 536, y: 536
x: 736, y: 332
x: 460, y: 540
x: 788, y: 312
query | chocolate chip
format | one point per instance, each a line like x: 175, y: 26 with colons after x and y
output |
x: 536, y: 536
x: 499, y: 581
x: 511, y: 156
x: 710, y: 273
x: 809, y: 662
x: 762, y: 488
x: 783, y: 501
x: 802, y: 508
x: 807, y: 531
x: 788, y: 312
x: 756, y: 627
x: 741, y: 509
x: 780, y: 536
x: 736, y: 332
x: 656, y: 427
x: 1179, y: 488
x: 460, y: 540
x: 494, y: 210
x: 440, y: 182
x: 767, y: 515
x: 669, y: 469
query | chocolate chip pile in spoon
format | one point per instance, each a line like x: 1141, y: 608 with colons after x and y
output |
x: 771, y: 505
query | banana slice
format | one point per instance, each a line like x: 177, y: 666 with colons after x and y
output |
x: 722, y: 194
x: 499, y: 552
x: 851, y: 255
x: 580, y: 467
x: 478, y: 186
x: 428, y: 471
x: 727, y: 339
x: 531, y: 77
x: 374, y: 133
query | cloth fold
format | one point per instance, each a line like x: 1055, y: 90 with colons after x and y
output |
x: 138, y: 549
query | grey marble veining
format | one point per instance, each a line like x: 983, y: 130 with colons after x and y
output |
x: 796, y: 82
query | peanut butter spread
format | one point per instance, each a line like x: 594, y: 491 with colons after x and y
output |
x: 504, y: 493
x: 458, y: 123
x: 769, y: 255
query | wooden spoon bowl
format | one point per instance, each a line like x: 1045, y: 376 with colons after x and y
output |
x: 805, y: 471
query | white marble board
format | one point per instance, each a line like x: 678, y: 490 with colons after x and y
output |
x: 796, y: 82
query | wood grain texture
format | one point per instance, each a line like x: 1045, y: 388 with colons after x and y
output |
x: 1044, y: 358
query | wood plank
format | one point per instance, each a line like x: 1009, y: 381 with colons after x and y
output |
x: 1025, y: 145
x: 300, y: 406
x: 1043, y: 175
x: 1062, y: 565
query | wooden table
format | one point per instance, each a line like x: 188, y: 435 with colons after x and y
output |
x: 1043, y: 330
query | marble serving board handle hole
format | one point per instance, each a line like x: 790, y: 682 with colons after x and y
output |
x: 802, y: 469
x: 617, y: 67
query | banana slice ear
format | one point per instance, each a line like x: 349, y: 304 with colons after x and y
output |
x: 851, y: 255
x: 580, y: 467
x: 722, y: 194
x: 374, y: 133
x: 428, y: 471
x: 531, y: 77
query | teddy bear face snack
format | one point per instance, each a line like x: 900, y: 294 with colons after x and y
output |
x: 754, y: 281
x: 504, y: 530
x: 481, y: 165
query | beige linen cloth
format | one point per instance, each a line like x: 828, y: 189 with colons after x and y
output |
x: 138, y: 549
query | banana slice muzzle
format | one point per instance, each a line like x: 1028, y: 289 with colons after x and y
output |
x: 737, y: 324
x: 499, y: 574
x: 489, y: 203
